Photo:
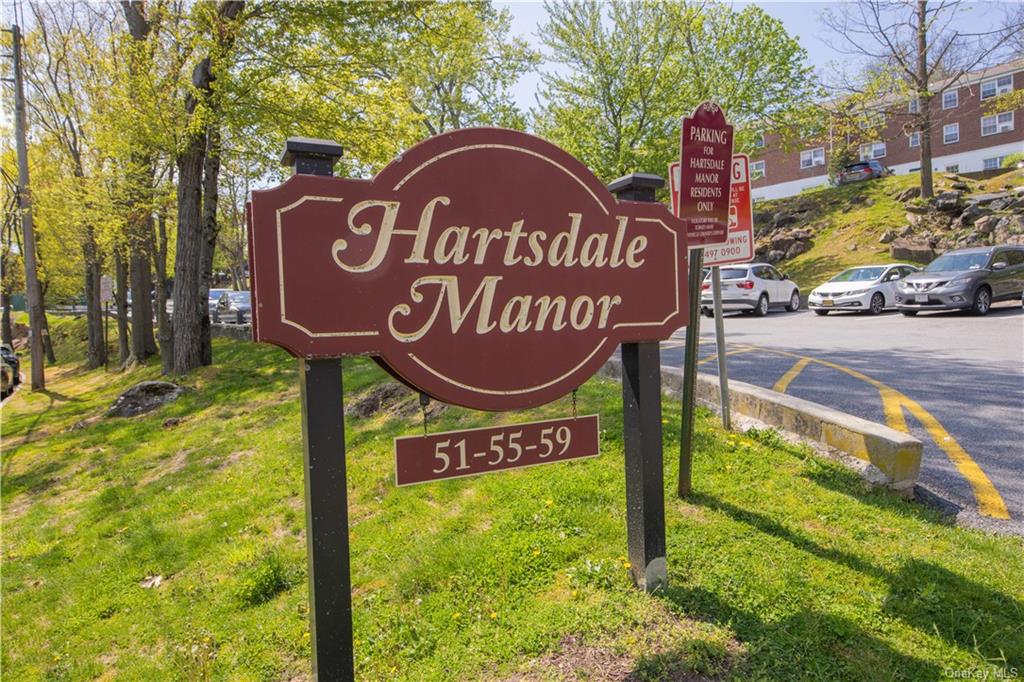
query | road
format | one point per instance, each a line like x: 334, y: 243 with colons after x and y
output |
x: 953, y: 380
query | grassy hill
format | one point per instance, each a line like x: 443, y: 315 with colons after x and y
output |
x: 171, y: 546
x: 847, y: 222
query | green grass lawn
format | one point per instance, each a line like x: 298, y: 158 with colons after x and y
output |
x: 781, y: 565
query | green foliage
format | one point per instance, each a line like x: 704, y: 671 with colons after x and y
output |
x: 842, y: 155
x: 627, y: 72
x: 781, y: 565
x: 1012, y: 160
x: 263, y: 581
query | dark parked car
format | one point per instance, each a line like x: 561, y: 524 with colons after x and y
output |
x: 6, y: 379
x: 862, y: 170
x: 234, y: 306
x: 8, y: 355
x: 966, y: 278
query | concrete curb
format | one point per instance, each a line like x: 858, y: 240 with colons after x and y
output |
x: 894, y: 457
x: 238, y: 332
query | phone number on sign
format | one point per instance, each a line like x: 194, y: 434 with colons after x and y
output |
x: 476, y: 451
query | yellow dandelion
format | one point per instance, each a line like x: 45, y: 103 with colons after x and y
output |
x: 627, y: 565
x: 494, y: 614
x: 550, y: 503
x: 456, y: 615
x: 536, y: 552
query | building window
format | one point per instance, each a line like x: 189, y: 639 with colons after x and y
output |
x: 914, y: 139
x: 812, y: 157
x: 996, y: 86
x: 997, y: 123
x: 950, y: 99
x: 756, y: 170
x: 759, y: 141
x: 993, y: 164
x: 950, y: 133
x: 914, y: 106
x: 875, y: 150
x: 955, y: 168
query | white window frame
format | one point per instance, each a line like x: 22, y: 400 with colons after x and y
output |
x: 998, y: 163
x: 869, y: 151
x: 956, y: 99
x: 813, y: 155
x: 999, y: 126
x: 759, y: 141
x: 914, y: 105
x: 954, y: 168
x: 914, y: 139
x: 955, y: 127
x: 1001, y: 85
x: 756, y: 168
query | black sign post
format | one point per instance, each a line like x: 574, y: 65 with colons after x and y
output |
x: 323, y: 437
x: 641, y: 429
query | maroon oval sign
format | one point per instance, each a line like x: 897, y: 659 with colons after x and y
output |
x: 486, y: 267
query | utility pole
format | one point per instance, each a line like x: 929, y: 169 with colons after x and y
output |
x: 32, y: 292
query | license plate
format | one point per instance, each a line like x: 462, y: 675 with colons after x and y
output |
x: 921, y: 298
x: 827, y: 302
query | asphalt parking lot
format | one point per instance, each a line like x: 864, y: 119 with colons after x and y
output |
x: 953, y: 380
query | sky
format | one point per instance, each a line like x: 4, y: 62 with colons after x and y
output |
x: 801, y: 20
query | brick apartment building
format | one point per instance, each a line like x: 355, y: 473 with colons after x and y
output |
x: 966, y: 137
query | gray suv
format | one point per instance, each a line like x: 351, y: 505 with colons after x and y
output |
x: 966, y: 278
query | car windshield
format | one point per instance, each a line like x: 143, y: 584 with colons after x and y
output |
x: 955, y: 262
x: 239, y: 296
x: 733, y: 273
x: 857, y: 167
x: 216, y: 293
x: 858, y: 275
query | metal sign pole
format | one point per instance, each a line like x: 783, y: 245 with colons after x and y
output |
x: 723, y: 371
x: 641, y: 430
x: 106, y: 334
x: 323, y: 437
x: 690, y: 374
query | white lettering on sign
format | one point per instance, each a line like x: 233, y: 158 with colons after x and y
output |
x: 712, y: 135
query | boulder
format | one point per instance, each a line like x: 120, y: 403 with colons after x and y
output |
x: 986, y: 223
x: 960, y: 186
x: 782, y: 219
x: 1008, y: 226
x: 916, y: 208
x: 914, y: 218
x: 913, y: 250
x: 782, y: 242
x: 1000, y: 204
x: 800, y: 235
x: 887, y: 236
x: 948, y: 201
x: 774, y: 257
x: 762, y: 217
x: 906, y: 231
x: 851, y: 247
x: 797, y: 248
x: 144, y: 397
x: 971, y: 213
x: 908, y: 194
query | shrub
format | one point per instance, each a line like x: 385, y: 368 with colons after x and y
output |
x: 264, y: 580
x: 1013, y: 160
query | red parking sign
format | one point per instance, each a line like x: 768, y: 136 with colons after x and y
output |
x: 740, y: 247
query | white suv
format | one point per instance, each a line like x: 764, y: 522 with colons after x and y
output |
x: 752, y: 287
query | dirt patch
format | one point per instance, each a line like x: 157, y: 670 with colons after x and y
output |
x: 144, y: 397
x: 574, y: 660
x: 166, y: 467
x: 394, y: 399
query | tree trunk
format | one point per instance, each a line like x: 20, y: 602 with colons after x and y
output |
x: 96, y: 352
x: 163, y: 321
x: 6, y: 331
x: 211, y: 170
x: 51, y: 358
x: 188, y: 258
x: 143, y: 343
x: 121, y: 302
x: 924, y: 99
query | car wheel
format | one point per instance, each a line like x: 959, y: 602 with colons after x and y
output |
x: 794, y: 301
x: 821, y: 312
x: 762, y: 306
x: 982, y: 301
x: 877, y: 303
x: 909, y: 313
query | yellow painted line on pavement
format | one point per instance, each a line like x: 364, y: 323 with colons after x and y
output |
x: 713, y: 358
x: 990, y: 502
x: 783, y: 383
